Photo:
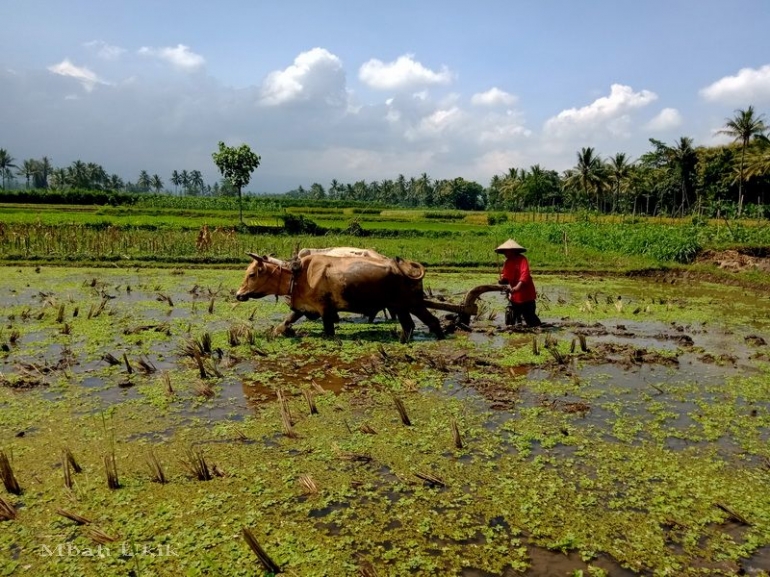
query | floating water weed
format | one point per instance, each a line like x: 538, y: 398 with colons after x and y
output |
x: 269, y: 565
x: 6, y: 473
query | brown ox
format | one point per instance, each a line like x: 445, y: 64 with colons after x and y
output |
x: 342, y: 251
x: 321, y: 286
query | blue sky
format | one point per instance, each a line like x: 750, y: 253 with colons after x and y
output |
x: 353, y: 90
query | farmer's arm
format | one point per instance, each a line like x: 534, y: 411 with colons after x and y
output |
x: 524, y: 275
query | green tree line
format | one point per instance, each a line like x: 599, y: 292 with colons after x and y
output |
x: 672, y: 179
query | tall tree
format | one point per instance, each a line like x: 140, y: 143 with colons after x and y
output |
x: 184, y: 180
x: 156, y: 183
x: 589, y: 175
x: 176, y: 180
x: 236, y: 165
x: 196, y: 182
x: 6, y: 164
x: 742, y: 127
x: 29, y: 168
x: 40, y: 178
x: 620, y: 175
x: 143, y: 183
x: 685, y: 160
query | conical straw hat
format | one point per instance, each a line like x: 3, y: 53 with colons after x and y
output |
x: 510, y: 244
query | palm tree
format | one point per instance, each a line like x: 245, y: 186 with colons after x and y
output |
x: 29, y: 169
x: 589, y: 175
x: 184, y: 178
x: 758, y: 160
x: 144, y: 181
x: 196, y: 181
x: 685, y: 159
x: 97, y: 176
x: 156, y: 183
x: 116, y: 183
x: 744, y: 126
x: 40, y: 178
x: 77, y: 174
x: 6, y: 164
x: 620, y: 175
x: 176, y: 180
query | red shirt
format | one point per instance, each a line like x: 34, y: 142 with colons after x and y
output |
x: 515, y: 269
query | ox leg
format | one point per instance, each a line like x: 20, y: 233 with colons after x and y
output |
x: 407, y: 325
x: 285, y: 328
x: 329, y: 318
x: 422, y: 313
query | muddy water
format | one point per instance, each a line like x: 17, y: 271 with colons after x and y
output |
x: 665, y: 355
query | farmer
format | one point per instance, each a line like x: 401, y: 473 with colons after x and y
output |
x: 522, y: 293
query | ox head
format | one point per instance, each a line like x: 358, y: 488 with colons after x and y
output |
x: 263, y: 277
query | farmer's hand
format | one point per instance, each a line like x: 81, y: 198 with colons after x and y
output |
x: 502, y: 281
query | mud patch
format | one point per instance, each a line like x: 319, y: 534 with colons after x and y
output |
x: 734, y: 261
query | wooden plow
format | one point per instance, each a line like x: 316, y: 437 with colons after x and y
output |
x: 468, y: 308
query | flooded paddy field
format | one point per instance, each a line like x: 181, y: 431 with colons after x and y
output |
x: 147, y: 419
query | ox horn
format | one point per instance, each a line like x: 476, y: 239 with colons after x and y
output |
x: 254, y: 256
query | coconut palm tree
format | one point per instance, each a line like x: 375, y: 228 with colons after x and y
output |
x: 77, y: 175
x: 29, y: 168
x: 620, y: 175
x: 684, y: 158
x: 156, y: 183
x: 744, y: 126
x: 40, y: 178
x: 184, y: 178
x: 144, y: 181
x: 176, y: 180
x: 196, y: 182
x: 589, y: 175
x: 6, y: 164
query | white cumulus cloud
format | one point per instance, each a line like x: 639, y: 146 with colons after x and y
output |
x: 404, y: 73
x: 315, y: 75
x: 605, y: 114
x: 666, y: 119
x: 179, y: 56
x: 85, y: 76
x: 493, y: 97
x: 104, y: 50
x: 749, y: 86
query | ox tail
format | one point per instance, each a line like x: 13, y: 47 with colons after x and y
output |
x: 409, y: 268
